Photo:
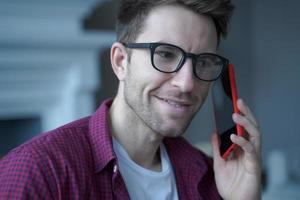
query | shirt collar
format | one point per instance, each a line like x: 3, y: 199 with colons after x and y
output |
x: 189, y: 164
x: 100, y: 136
x: 181, y: 153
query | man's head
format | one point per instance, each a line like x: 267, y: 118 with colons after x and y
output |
x: 132, y: 14
x: 166, y: 102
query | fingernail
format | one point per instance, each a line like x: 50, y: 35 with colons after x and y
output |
x: 235, y: 116
x: 233, y: 136
x: 240, y: 101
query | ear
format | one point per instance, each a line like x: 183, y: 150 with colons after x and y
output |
x: 118, y: 58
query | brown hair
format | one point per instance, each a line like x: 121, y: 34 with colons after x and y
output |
x: 132, y: 14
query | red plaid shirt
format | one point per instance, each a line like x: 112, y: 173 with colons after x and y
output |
x: 77, y: 161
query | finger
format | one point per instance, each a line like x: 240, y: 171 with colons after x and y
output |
x: 244, y: 108
x: 249, y: 152
x: 247, y: 124
x: 243, y: 143
x: 216, y: 151
x: 253, y: 132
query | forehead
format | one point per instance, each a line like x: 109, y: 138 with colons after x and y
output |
x: 180, y: 26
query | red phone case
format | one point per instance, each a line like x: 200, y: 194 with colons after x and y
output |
x: 240, y: 130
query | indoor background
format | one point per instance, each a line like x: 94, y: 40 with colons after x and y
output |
x: 54, y: 68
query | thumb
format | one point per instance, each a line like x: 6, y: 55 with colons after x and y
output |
x: 215, y: 141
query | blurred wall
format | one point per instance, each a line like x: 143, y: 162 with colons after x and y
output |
x: 277, y: 69
x: 49, y: 66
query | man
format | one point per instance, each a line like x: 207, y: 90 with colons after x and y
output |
x: 131, y: 148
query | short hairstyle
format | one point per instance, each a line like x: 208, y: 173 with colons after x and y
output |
x: 132, y: 14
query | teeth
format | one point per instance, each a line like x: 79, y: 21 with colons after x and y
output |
x: 173, y: 103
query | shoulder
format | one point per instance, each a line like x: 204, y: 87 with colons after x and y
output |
x: 51, y: 150
x: 60, y: 140
x: 45, y: 160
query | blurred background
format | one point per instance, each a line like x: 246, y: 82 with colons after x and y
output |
x: 55, y: 68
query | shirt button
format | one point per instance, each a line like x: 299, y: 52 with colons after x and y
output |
x: 115, y: 168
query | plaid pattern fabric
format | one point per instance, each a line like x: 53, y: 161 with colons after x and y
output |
x: 76, y: 161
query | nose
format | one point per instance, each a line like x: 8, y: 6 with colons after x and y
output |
x: 184, y: 78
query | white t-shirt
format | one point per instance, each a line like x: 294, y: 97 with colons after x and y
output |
x: 143, y: 183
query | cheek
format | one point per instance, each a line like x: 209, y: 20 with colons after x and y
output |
x: 202, y: 90
x: 138, y: 69
x: 137, y: 80
x: 205, y: 87
x: 142, y: 74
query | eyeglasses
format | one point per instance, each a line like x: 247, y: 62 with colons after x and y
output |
x: 169, y: 58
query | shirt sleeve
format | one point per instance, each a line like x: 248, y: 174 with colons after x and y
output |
x: 22, y: 177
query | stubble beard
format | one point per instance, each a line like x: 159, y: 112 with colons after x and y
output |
x: 141, y: 112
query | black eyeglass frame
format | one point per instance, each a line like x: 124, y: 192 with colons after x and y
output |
x: 153, y: 45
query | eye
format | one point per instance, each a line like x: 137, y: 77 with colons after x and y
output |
x: 202, y: 63
x: 165, y: 54
x: 205, y: 62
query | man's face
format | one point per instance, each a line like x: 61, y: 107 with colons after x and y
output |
x: 166, y: 103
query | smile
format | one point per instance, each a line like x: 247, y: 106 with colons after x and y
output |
x: 176, y: 104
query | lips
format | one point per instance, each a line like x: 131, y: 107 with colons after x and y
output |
x: 172, y: 103
x: 177, y: 103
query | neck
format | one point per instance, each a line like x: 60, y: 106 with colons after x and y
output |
x: 140, y: 142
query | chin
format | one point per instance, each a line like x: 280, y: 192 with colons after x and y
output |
x: 173, y: 132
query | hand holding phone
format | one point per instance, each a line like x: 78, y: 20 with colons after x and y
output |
x: 224, y: 95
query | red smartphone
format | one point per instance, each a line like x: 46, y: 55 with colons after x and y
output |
x: 224, y: 96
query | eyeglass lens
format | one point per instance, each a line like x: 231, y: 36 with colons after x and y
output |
x: 167, y: 58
